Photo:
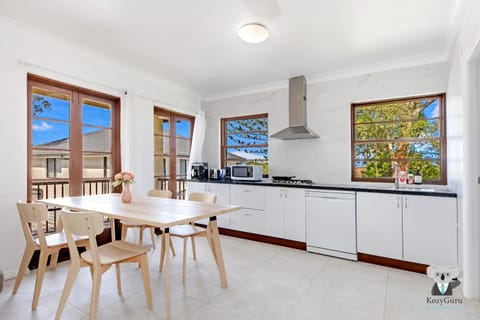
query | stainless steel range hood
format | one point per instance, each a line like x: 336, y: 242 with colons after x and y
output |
x: 297, y: 112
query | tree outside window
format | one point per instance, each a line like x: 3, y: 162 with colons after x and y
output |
x: 409, y: 131
x: 245, y: 140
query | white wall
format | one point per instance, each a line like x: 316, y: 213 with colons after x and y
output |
x: 463, y: 91
x: 59, y: 59
x: 324, y: 160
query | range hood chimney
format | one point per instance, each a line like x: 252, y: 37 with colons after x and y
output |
x: 297, y: 112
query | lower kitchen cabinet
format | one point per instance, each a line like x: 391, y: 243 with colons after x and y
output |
x: 251, y: 218
x: 222, y: 191
x: 379, y: 224
x: 285, y: 213
x: 430, y: 230
x: 421, y: 229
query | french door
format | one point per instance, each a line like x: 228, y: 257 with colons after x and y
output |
x: 73, y: 140
x: 172, y: 143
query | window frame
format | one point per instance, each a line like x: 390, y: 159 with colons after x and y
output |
x: 223, y: 144
x: 442, y: 139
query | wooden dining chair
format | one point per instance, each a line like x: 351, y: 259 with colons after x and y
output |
x: 186, y: 231
x: 99, y: 259
x: 34, y: 216
x: 126, y: 225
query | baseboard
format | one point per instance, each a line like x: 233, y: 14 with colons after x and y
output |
x: 393, y: 263
x: 262, y: 238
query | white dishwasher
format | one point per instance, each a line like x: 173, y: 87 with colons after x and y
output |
x: 331, y: 223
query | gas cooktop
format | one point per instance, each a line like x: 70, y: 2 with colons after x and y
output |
x: 290, y: 180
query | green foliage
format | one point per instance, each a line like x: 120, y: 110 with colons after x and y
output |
x: 39, y: 104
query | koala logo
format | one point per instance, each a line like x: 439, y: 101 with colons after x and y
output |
x: 445, y: 279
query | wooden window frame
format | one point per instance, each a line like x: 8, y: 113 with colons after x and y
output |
x: 76, y: 149
x: 223, y: 144
x: 173, y: 117
x: 443, y: 141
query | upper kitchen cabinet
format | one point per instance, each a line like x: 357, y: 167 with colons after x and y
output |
x: 430, y: 230
x: 379, y: 224
x: 285, y: 213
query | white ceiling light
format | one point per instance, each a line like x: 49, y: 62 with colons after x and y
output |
x: 253, y: 33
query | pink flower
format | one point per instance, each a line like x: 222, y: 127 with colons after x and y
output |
x: 127, y: 177
x: 118, y: 176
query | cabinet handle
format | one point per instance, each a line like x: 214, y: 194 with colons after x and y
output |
x: 398, y: 202
x: 406, y: 202
x: 286, y: 194
x: 246, y: 190
x: 281, y: 194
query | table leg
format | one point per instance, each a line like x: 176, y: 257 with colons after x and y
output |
x: 112, y: 228
x: 168, y: 302
x: 214, y: 241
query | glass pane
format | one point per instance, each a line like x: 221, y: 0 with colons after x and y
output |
x: 96, y: 113
x: 183, y: 128
x: 430, y: 170
x: 253, y: 138
x: 97, y: 166
x: 161, y: 166
x: 398, y: 150
x: 417, y: 109
x: 50, y: 134
x: 411, y: 129
x: 182, y: 166
x: 183, y: 147
x: 49, y: 104
x: 249, y: 156
x: 95, y: 139
x: 161, y: 125
x: 162, y: 145
x: 50, y: 164
x: 242, y: 125
x: 373, y: 169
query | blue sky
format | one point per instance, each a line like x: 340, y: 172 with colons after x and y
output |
x: 44, y: 131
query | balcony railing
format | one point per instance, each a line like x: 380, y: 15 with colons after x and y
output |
x: 47, y: 189
x: 163, y: 184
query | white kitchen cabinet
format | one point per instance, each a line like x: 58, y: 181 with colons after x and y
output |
x: 430, y: 230
x: 285, y: 213
x: 222, y: 191
x: 379, y: 224
x: 412, y: 228
x: 251, y: 218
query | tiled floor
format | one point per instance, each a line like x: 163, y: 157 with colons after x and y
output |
x: 265, y: 282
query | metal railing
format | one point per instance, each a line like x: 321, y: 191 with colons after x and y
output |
x: 163, y: 184
x: 58, y: 188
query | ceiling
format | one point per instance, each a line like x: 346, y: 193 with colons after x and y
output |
x: 195, y: 44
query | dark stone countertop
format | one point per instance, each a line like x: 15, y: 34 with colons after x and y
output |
x: 418, y: 190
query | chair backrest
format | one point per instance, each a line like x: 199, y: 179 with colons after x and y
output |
x: 160, y: 193
x: 33, y: 215
x: 202, y: 197
x: 82, y: 223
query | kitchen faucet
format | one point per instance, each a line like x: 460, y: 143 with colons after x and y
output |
x: 395, y: 168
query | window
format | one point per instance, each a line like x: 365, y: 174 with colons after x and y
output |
x: 245, y: 140
x: 74, y: 139
x: 409, y: 131
x: 172, y: 150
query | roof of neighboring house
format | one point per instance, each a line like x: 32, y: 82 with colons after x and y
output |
x: 243, y: 156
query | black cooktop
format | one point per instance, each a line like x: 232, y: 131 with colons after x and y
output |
x: 290, y: 180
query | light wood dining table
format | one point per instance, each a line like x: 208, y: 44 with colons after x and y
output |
x: 158, y: 212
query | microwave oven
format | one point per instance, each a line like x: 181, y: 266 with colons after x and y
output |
x: 246, y: 172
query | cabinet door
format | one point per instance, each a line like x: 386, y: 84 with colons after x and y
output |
x: 274, y: 212
x: 294, y: 210
x: 379, y: 224
x: 248, y: 220
x: 430, y: 230
x: 195, y: 187
x: 222, y: 191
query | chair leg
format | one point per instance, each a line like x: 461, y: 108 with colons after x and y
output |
x: 152, y: 233
x: 42, y: 265
x: 140, y: 236
x: 124, y: 232
x: 193, y: 249
x: 97, y: 278
x: 53, y: 260
x: 146, y: 279
x: 72, y: 275
x: 171, y: 246
x: 119, y: 281
x: 27, y: 256
x: 184, y: 269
